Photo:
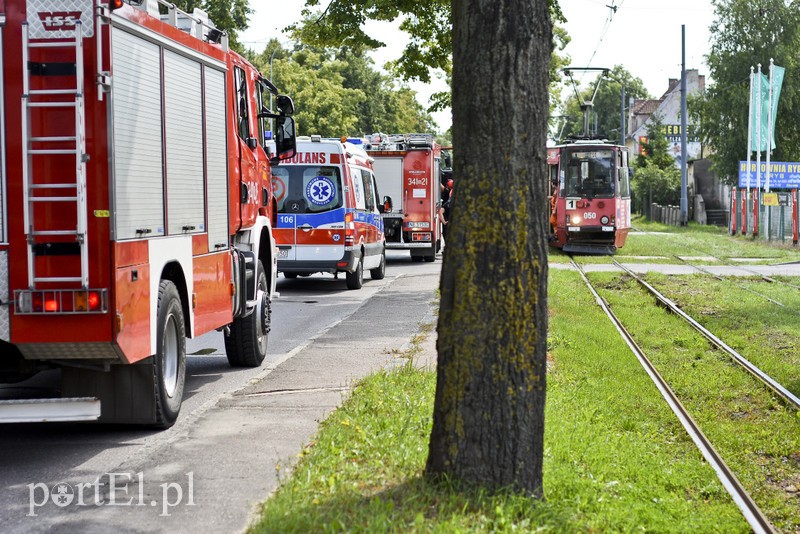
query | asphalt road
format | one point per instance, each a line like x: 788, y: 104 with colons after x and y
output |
x: 238, y: 430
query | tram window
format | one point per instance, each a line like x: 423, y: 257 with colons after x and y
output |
x: 591, y: 174
x: 624, y: 189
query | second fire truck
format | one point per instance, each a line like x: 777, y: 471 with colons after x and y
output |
x: 136, y: 201
x: 408, y: 169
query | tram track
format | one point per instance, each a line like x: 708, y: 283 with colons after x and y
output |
x: 761, y: 376
x: 748, y: 507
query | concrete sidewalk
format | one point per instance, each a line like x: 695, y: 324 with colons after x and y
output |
x: 251, y: 439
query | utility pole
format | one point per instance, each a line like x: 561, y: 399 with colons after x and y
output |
x: 684, y: 177
x: 622, y: 119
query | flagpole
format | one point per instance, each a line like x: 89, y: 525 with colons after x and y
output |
x: 757, y: 190
x: 750, y: 131
x: 769, y: 123
x: 758, y: 130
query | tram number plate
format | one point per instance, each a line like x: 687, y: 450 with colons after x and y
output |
x: 572, y: 203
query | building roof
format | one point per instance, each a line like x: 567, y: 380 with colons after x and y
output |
x: 645, y: 106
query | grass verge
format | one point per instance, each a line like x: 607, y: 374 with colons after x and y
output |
x: 615, y: 457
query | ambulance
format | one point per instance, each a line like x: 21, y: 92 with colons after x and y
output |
x: 329, y: 215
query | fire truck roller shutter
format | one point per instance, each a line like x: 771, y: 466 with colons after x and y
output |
x: 183, y: 126
x: 216, y: 157
x: 389, y: 176
x: 137, y: 162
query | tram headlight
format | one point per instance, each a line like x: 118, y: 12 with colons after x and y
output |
x: 604, y: 219
x: 576, y: 219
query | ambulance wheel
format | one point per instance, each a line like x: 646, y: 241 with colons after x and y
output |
x: 290, y: 276
x: 246, y: 346
x: 169, y: 369
x: 380, y: 271
x: 356, y: 279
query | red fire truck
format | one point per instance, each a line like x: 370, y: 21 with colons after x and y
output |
x: 137, y: 207
x: 408, y: 170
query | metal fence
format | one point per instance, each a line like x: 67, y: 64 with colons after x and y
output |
x: 769, y: 216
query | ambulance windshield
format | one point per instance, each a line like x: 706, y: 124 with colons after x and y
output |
x: 590, y: 173
x: 307, y: 188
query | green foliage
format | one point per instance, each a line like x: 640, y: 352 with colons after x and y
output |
x: 338, y: 92
x: 744, y: 34
x: 229, y: 15
x: 607, y: 103
x: 428, y: 24
x: 656, y: 177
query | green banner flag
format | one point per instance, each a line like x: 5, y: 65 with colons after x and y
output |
x: 760, y: 103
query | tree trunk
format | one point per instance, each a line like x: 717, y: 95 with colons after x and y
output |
x: 488, y: 422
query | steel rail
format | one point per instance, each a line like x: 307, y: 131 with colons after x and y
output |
x: 770, y: 382
x: 750, y: 510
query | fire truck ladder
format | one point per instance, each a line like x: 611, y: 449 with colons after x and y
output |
x: 37, y: 190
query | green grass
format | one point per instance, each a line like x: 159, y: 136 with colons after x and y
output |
x: 616, y: 459
x: 757, y: 435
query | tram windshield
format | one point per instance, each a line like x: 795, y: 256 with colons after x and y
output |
x: 590, y: 173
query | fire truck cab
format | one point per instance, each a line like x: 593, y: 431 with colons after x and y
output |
x: 136, y: 207
x: 329, y: 213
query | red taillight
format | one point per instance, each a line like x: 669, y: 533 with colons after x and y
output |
x: 50, y: 305
x: 37, y: 302
x: 94, y: 300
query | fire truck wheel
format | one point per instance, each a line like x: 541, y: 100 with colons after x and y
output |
x: 290, y: 276
x: 416, y: 259
x: 246, y: 346
x: 356, y: 279
x: 380, y: 271
x: 169, y: 371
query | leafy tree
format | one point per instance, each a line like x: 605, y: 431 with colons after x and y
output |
x: 746, y: 33
x: 229, y: 15
x: 607, y: 103
x: 428, y: 24
x: 322, y: 104
x: 656, y: 178
x: 338, y: 92
x: 488, y: 421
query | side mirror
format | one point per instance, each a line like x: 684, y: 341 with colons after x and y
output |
x: 285, y: 105
x: 285, y: 138
x: 387, y: 205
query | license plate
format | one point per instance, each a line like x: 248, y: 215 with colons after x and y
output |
x: 283, y: 253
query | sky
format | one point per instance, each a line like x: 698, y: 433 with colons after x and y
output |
x: 642, y: 35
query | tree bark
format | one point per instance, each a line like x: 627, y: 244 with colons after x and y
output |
x: 488, y: 422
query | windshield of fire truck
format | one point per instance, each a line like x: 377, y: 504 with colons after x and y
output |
x: 307, y: 188
x: 590, y: 173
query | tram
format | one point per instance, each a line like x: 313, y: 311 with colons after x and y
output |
x: 590, y: 202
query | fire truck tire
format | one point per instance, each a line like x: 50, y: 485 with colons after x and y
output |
x: 169, y: 371
x: 290, y: 276
x: 246, y: 346
x: 356, y: 279
x: 416, y: 259
x: 379, y: 272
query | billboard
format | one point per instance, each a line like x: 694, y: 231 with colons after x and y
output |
x: 782, y: 175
